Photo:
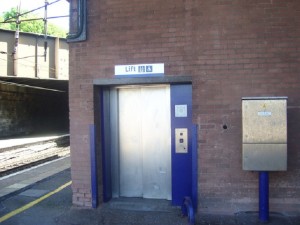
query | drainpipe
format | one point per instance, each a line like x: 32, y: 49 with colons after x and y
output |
x: 94, y: 175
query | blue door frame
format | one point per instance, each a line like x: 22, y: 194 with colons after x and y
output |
x: 184, y: 165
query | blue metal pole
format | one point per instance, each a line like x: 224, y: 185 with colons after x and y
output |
x: 93, y: 167
x: 195, y: 167
x: 264, y: 196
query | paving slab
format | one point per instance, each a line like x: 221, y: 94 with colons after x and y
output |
x: 18, y: 182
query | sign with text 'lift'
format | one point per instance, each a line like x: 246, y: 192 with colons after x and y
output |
x: 156, y: 69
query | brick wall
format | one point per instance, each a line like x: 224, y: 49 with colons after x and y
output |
x: 26, y: 111
x: 243, y: 48
x: 232, y: 49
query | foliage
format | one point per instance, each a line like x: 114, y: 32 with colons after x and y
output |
x: 32, y: 26
x: 4, y: 25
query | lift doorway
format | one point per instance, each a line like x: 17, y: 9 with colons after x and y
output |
x: 139, y: 127
x: 144, y: 135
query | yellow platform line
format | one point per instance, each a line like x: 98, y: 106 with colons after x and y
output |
x: 30, y: 204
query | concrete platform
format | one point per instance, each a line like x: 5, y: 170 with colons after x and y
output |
x: 57, y: 209
x: 17, y: 142
x: 18, y: 182
x: 26, y: 187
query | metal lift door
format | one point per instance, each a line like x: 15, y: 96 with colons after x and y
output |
x: 145, y: 142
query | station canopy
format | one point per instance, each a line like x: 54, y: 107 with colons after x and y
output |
x: 44, y: 84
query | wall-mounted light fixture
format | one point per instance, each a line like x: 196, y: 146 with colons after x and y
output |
x: 77, y: 21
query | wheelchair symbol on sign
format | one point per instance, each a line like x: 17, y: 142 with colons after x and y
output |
x: 149, y: 69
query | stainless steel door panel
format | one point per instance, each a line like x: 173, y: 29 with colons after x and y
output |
x: 131, y: 174
x: 156, y: 141
x: 145, y: 142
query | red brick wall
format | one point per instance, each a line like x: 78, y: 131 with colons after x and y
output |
x: 232, y: 49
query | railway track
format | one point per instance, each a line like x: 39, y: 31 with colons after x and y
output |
x: 14, y: 160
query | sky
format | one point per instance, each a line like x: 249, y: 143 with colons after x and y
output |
x: 60, y: 8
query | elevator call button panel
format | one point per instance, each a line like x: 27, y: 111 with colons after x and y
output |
x: 181, y: 140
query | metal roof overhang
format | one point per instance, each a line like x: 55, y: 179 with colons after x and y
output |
x: 45, y: 84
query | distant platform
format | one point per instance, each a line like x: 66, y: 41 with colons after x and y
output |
x: 12, y: 142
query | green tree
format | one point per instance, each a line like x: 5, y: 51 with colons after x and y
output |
x: 4, y: 25
x: 32, y: 26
